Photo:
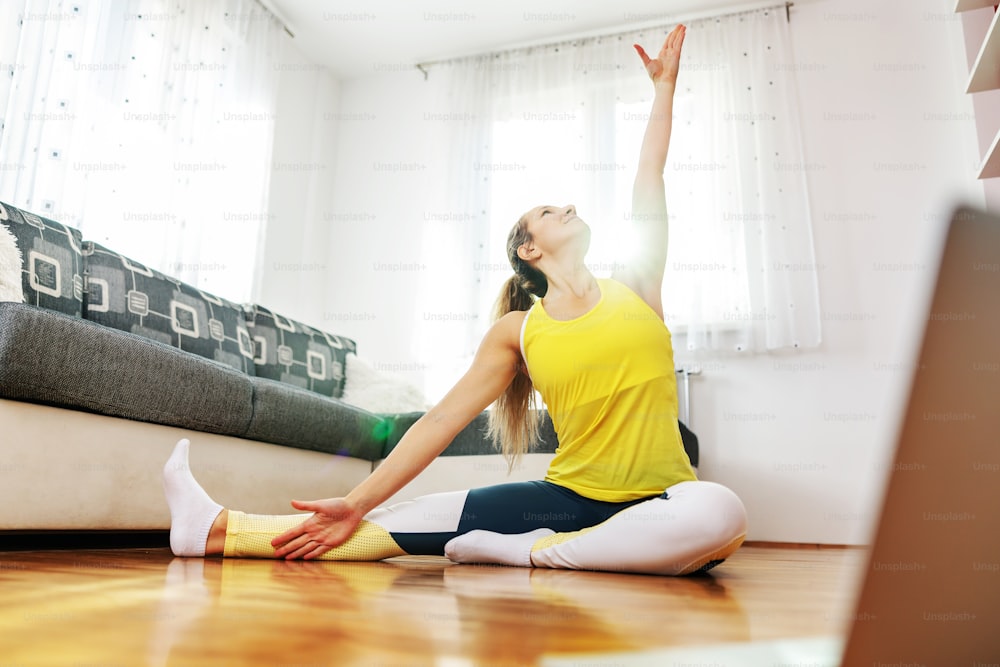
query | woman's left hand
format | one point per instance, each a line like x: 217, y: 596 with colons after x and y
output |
x: 664, y: 67
x: 334, y: 520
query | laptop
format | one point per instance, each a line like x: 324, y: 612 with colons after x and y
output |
x: 931, y: 592
x: 931, y: 589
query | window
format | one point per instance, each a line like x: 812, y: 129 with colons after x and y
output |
x: 589, y: 160
x: 148, y: 127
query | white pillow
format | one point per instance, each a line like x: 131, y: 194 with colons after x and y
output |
x: 376, y: 391
x: 10, y: 267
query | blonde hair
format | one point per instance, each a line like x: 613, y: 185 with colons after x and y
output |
x: 514, y: 420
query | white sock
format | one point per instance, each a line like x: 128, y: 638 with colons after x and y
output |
x: 483, y: 546
x: 192, y: 512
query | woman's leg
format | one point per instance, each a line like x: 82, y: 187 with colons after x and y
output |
x: 200, y: 527
x: 693, y: 526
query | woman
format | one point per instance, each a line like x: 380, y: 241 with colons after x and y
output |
x: 620, y: 493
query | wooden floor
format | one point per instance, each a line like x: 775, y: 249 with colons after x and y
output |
x: 145, y: 607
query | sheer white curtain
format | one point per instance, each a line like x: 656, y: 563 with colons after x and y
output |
x: 147, y: 124
x: 563, y: 124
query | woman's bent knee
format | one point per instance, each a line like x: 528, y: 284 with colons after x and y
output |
x: 716, y: 510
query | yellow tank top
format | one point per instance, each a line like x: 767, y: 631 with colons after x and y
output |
x: 607, y: 378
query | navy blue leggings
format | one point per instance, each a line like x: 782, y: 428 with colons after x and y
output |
x: 517, y: 507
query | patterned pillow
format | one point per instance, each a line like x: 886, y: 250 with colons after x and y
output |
x: 126, y: 295
x: 291, y: 352
x: 52, y: 273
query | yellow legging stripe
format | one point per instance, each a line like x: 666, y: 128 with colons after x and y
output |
x: 559, y: 538
x: 250, y: 535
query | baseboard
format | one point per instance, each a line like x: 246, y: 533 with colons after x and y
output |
x: 31, y: 540
x: 800, y: 545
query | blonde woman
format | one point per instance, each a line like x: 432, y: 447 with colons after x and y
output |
x: 620, y: 493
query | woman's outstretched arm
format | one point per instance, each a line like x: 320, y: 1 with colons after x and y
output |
x: 335, y: 519
x: 644, y: 273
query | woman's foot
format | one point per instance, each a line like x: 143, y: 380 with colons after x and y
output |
x: 194, y: 516
x: 483, y: 546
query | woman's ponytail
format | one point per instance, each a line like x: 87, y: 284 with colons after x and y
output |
x: 514, y: 420
x: 512, y: 297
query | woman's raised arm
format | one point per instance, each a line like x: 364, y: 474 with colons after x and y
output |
x: 644, y: 272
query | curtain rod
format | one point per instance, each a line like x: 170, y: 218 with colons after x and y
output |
x: 620, y: 30
x: 266, y: 4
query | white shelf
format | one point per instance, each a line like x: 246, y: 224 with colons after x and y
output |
x: 966, y: 5
x: 986, y: 72
x: 991, y: 163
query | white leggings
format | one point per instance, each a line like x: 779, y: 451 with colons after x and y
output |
x: 692, y: 526
x: 695, y: 528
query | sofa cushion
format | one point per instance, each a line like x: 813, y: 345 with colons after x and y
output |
x: 52, y: 273
x: 50, y: 358
x: 294, y: 353
x: 379, y: 391
x: 288, y: 415
x: 471, y: 440
x: 123, y: 294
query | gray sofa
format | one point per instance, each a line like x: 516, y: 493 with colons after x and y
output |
x: 108, y: 363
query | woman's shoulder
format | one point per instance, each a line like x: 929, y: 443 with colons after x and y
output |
x: 514, y: 316
x: 509, y: 326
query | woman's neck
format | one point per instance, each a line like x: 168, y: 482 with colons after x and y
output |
x: 574, y: 282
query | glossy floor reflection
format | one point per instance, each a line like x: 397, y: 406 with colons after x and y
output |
x: 142, y: 606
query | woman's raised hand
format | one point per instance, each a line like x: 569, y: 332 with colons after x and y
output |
x: 663, y: 68
x: 334, y: 520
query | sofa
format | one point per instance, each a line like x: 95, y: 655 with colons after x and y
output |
x: 105, y: 363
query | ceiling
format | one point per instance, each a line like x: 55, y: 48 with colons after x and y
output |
x: 358, y: 38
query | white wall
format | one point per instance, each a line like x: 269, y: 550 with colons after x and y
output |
x: 388, y: 163
x: 889, y: 146
x: 295, y: 268
x: 346, y: 228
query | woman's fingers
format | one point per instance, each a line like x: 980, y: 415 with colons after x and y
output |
x: 317, y: 552
x: 305, y: 548
x: 667, y: 43
x: 653, y: 67
x: 288, y: 535
x: 331, y: 523
x: 668, y: 55
x: 292, y: 533
x: 293, y: 537
x: 679, y: 40
x: 642, y: 54
x: 674, y: 40
x: 306, y: 505
x: 291, y: 546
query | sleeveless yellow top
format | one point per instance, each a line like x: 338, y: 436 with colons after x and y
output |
x: 607, y: 378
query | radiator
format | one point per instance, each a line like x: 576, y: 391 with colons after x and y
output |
x: 684, y: 392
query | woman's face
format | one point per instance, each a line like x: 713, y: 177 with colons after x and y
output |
x: 553, y: 227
